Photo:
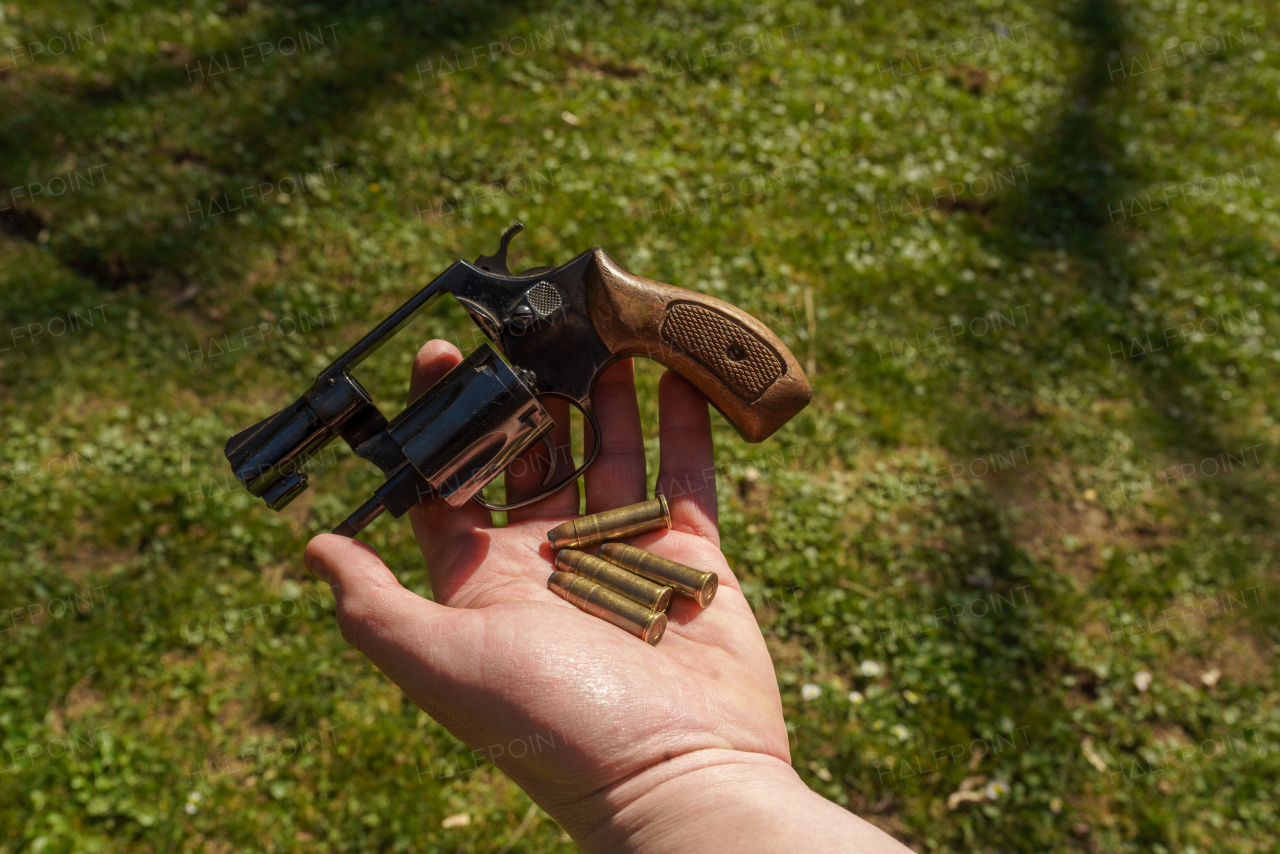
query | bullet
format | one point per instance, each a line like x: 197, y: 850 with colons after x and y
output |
x: 599, y: 601
x: 654, y: 596
x: 688, y: 582
x: 611, y: 524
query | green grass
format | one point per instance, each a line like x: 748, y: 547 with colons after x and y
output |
x: 988, y: 497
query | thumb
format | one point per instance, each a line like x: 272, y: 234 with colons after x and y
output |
x: 396, y: 629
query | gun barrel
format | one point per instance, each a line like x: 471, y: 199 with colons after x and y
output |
x: 268, y: 457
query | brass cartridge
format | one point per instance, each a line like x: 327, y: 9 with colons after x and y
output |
x: 599, y: 601
x: 688, y: 582
x: 654, y: 596
x: 611, y: 524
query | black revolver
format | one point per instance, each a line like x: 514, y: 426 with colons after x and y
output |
x: 553, y: 330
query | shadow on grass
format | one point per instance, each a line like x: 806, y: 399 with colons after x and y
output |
x: 1081, y: 177
x: 165, y: 144
x: 1079, y: 172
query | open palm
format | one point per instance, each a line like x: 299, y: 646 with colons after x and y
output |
x: 569, y: 706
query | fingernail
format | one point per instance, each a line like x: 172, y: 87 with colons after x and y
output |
x: 311, y: 562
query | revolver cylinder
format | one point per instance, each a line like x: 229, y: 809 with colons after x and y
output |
x: 453, y: 439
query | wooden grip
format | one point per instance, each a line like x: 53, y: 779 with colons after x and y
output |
x: 734, y: 359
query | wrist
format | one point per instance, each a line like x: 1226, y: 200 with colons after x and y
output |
x: 724, y: 800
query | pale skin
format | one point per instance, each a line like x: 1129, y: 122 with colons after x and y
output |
x: 679, y: 747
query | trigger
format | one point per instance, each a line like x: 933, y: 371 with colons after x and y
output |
x: 551, y: 456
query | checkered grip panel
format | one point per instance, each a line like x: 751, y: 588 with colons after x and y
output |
x: 735, y: 354
x: 544, y: 298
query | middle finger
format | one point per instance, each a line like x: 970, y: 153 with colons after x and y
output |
x: 617, y: 477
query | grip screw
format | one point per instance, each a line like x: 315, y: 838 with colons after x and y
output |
x: 521, y: 316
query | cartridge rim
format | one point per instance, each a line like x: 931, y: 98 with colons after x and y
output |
x: 695, y: 585
x: 654, y: 629
x: 707, y: 590
x: 666, y: 510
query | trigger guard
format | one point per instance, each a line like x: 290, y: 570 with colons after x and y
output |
x: 551, y: 456
x: 589, y: 413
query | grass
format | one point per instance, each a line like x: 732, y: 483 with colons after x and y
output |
x: 1040, y: 461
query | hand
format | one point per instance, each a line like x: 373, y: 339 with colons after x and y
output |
x: 627, y: 746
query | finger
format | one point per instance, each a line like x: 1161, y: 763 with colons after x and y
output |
x: 411, y: 639
x: 617, y: 477
x: 438, y: 526
x: 366, y: 594
x: 687, y: 473
x: 525, y: 475
x: 434, y: 360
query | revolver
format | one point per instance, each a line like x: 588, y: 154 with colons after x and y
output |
x: 552, y: 331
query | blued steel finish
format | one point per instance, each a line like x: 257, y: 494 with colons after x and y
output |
x: 690, y: 583
x: 554, y: 331
x: 266, y: 457
x: 611, y: 524
x: 454, y: 439
x: 534, y: 317
x: 655, y: 597
x: 599, y: 601
x: 469, y: 426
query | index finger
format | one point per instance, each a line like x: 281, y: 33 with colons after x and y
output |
x: 437, y: 526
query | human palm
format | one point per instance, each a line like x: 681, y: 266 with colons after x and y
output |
x: 583, y: 716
